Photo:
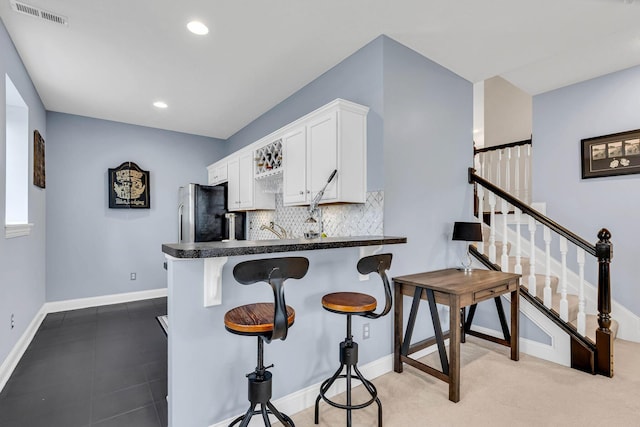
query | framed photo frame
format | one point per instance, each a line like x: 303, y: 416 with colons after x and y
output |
x: 39, y: 176
x: 611, y: 155
x: 129, y: 187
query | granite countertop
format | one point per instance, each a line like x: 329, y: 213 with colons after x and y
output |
x: 250, y: 247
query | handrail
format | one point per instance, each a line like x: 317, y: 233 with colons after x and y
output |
x: 577, y: 240
x: 501, y: 146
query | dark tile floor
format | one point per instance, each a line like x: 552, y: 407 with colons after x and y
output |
x: 102, y: 366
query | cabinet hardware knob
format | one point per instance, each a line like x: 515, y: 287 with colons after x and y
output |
x: 301, y: 192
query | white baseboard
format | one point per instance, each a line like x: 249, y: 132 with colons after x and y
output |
x: 14, y: 356
x: 16, y: 353
x: 75, y: 304
x: 306, y: 397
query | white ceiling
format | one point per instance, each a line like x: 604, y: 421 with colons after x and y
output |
x: 118, y: 56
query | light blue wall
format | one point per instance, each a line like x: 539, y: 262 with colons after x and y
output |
x: 427, y: 150
x: 420, y: 123
x: 561, y: 118
x: 91, y: 249
x: 22, y: 259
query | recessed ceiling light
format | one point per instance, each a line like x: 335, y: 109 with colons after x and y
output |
x: 197, y: 27
x: 160, y: 104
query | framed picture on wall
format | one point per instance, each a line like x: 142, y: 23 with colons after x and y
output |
x: 129, y: 187
x: 39, y: 177
x: 610, y: 155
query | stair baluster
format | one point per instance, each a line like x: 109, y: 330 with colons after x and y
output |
x: 564, y: 304
x: 507, y: 171
x: 504, y: 260
x: 582, y: 316
x: 527, y: 176
x: 492, y: 232
x: 518, y: 266
x: 516, y: 174
x: 480, y: 195
x: 546, y: 296
x: 532, y: 256
x: 498, y: 179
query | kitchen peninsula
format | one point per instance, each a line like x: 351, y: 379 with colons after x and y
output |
x: 207, y: 365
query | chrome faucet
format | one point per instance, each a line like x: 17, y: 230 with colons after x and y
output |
x: 281, y: 232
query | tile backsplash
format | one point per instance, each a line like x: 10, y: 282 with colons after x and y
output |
x: 338, y: 220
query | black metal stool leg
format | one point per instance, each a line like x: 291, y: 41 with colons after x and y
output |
x: 244, y: 418
x: 265, y: 415
x: 284, y: 419
x: 324, y: 388
x: 259, y: 385
x: 348, y: 360
x: 348, y: 396
x: 372, y: 391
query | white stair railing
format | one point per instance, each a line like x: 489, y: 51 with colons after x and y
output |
x: 601, y: 251
x: 508, y: 166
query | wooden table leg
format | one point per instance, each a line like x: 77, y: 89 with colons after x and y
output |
x: 515, y: 317
x: 397, y: 326
x: 454, y: 348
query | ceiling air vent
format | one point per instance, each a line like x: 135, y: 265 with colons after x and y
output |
x: 36, y: 12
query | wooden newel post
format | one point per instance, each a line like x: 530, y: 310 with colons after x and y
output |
x: 604, y: 339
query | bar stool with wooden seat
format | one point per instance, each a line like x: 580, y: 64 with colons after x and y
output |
x: 267, y: 321
x: 358, y: 304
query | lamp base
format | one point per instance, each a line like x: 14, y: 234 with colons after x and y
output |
x: 465, y: 269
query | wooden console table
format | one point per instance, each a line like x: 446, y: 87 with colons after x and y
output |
x: 458, y: 290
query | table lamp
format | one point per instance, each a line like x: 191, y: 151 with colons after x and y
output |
x: 468, y: 232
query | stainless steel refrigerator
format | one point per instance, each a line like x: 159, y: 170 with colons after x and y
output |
x: 201, y: 214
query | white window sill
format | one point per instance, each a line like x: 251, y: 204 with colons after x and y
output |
x: 17, y: 230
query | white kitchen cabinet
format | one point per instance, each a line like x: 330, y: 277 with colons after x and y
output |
x: 242, y: 194
x: 217, y: 173
x: 294, y: 184
x: 233, y: 186
x: 331, y: 138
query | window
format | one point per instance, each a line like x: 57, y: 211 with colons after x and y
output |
x: 17, y: 163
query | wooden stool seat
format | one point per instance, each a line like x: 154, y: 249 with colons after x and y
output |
x: 349, y: 302
x: 254, y: 318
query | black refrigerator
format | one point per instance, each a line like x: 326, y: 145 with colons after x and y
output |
x: 201, y: 214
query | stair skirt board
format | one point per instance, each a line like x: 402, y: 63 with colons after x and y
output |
x: 306, y: 397
x: 628, y: 322
x: 16, y: 353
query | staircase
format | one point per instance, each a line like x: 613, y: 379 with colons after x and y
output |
x: 549, y: 289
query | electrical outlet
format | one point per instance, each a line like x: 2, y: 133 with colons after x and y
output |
x: 13, y: 321
x: 133, y: 276
x: 365, y: 331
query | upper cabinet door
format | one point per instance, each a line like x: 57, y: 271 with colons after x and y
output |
x: 322, y: 158
x: 217, y: 173
x: 294, y: 185
x: 246, y: 180
x: 233, y: 187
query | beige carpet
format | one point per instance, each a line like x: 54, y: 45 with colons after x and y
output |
x: 496, y: 391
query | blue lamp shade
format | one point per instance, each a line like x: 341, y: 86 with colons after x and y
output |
x: 467, y: 231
